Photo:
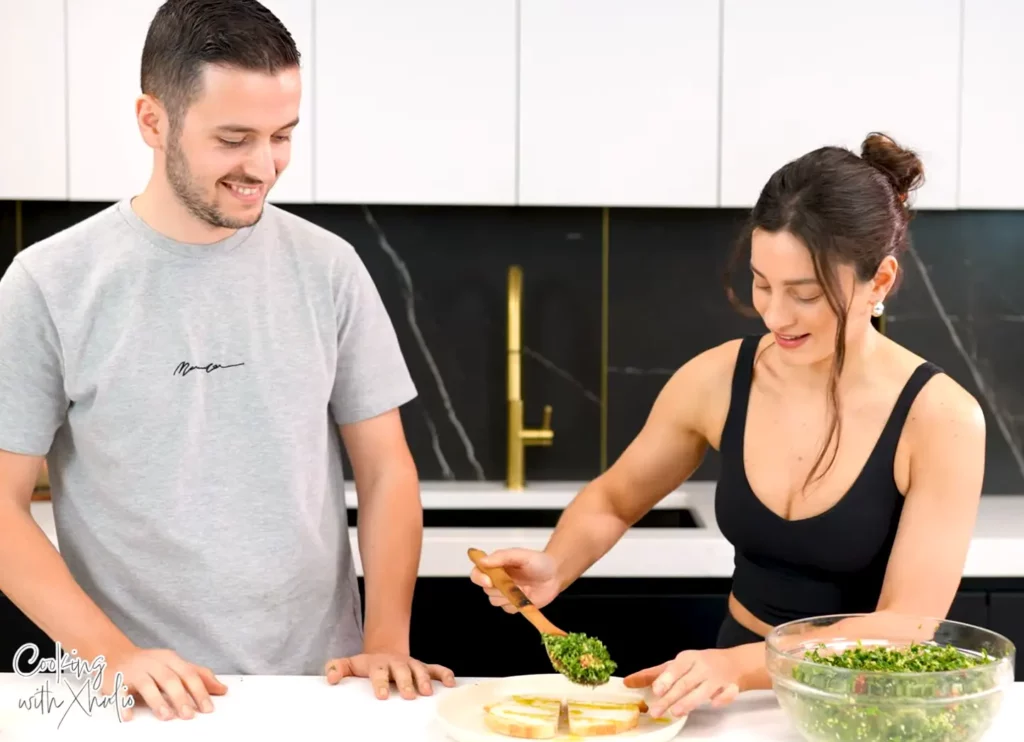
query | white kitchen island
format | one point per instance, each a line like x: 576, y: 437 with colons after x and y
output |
x: 306, y: 708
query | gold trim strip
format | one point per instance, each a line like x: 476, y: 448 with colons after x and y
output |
x: 605, y: 249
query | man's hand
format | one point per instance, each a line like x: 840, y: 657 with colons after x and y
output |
x: 408, y: 674
x: 156, y: 676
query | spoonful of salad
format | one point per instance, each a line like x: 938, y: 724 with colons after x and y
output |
x: 582, y: 659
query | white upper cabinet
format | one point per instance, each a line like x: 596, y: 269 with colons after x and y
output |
x: 33, y: 156
x: 677, y: 103
x: 108, y: 158
x: 619, y: 102
x: 295, y: 184
x: 415, y: 101
x: 992, y: 142
x: 801, y: 74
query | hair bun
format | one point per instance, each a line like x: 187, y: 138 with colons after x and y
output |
x: 902, y: 167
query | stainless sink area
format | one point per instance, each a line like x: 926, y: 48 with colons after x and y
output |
x: 535, y: 518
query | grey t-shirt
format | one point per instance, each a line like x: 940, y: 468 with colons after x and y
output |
x: 188, y: 398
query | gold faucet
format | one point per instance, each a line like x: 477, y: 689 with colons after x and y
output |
x: 518, y: 436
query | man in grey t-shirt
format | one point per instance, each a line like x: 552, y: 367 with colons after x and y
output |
x: 190, y: 361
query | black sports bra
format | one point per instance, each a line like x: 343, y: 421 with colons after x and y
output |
x: 834, y: 562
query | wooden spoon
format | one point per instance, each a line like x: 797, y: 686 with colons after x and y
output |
x: 512, y: 592
x: 515, y: 596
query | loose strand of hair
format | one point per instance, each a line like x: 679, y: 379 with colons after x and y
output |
x: 829, y: 283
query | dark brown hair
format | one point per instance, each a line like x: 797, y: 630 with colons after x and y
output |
x: 847, y: 210
x: 185, y: 35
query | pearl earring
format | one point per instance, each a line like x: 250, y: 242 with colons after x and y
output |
x: 877, y: 310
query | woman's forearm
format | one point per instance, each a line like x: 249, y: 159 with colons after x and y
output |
x: 750, y: 660
x: 752, y: 670
x: 587, y: 530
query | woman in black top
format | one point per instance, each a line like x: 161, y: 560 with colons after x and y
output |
x: 851, y: 468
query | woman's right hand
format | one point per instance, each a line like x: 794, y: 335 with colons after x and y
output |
x: 533, y: 571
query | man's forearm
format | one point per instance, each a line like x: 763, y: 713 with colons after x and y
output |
x: 390, y: 540
x: 587, y: 530
x: 42, y: 587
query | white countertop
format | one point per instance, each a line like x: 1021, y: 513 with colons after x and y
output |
x: 308, y: 708
x: 997, y: 549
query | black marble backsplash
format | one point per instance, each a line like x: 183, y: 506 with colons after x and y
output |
x: 655, y: 275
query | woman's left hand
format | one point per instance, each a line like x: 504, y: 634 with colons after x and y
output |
x: 692, y: 678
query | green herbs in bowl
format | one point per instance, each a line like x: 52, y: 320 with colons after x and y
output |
x: 885, y: 677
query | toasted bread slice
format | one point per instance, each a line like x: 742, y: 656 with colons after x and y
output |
x: 597, y: 719
x: 524, y: 717
x: 549, y: 702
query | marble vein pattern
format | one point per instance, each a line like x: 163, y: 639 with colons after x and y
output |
x: 409, y: 297
x: 970, y: 358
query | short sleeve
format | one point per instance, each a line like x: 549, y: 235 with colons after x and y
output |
x: 33, y: 404
x: 372, y: 376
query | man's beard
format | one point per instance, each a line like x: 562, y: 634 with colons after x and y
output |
x: 190, y: 194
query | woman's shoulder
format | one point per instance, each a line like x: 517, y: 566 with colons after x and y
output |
x: 714, y: 365
x: 943, y: 434
x: 698, y: 393
x: 942, y: 407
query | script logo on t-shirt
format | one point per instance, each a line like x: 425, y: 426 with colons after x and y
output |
x: 185, y: 368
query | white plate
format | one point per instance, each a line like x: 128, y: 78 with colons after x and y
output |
x: 460, y: 711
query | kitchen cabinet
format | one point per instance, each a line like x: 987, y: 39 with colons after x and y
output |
x: 415, y: 102
x: 618, y: 102
x: 108, y: 160
x: 549, y: 102
x: 16, y: 630
x: 643, y: 621
x: 992, y: 117
x: 970, y: 606
x: 1006, y: 615
x: 643, y: 631
x: 33, y: 156
x: 801, y: 74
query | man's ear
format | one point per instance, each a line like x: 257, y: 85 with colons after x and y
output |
x: 153, y: 121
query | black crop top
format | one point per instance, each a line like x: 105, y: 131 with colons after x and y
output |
x: 829, y: 563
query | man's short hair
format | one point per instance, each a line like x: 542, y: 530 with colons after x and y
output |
x: 186, y: 35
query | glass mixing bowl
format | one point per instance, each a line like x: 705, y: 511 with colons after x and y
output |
x: 840, y: 704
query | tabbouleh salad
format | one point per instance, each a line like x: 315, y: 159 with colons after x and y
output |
x: 897, y: 708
